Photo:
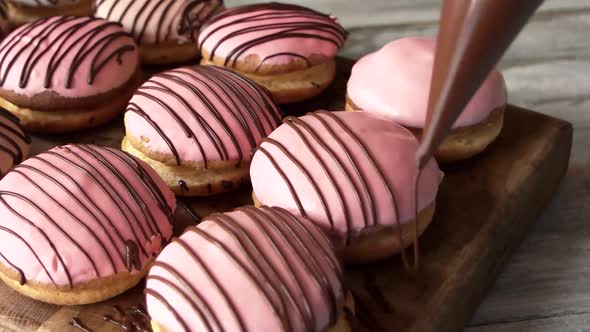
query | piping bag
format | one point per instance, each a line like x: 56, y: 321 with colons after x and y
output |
x: 473, y: 36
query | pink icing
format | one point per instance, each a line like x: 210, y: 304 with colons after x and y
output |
x: 299, y: 265
x: 155, y: 21
x: 14, y: 143
x: 227, y: 32
x: 394, y: 83
x: 25, y: 43
x: 88, y: 210
x: 201, y: 98
x: 392, y: 148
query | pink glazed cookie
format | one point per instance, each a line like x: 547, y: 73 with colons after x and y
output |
x: 81, y: 223
x: 67, y: 73
x: 25, y: 11
x: 248, y: 270
x: 288, y: 49
x: 165, y: 30
x: 196, y: 126
x: 351, y: 173
x: 394, y: 84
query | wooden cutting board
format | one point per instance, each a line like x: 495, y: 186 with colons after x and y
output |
x: 484, y: 209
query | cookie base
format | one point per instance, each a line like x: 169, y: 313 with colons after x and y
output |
x: 462, y: 143
x: 168, y: 53
x: 294, y: 86
x: 57, y: 122
x: 380, y: 243
x: 94, y: 291
x: 20, y: 15
x: 218, y: 177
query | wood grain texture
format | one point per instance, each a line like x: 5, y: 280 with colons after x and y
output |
x: 547, y: 69
x: 485, y: 207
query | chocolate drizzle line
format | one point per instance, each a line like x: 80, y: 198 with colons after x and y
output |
x: 47, y: 167
x: 192, y: 15
x: 93, y: 44
x: 191, y: 212
x: 313, y: 142
x: 183, y: 186
x: 276, y: 226
x: 12, y: 137
x: 263, y: 18
x: 132, y: 256
x: 133, y: 319
x: 244, y: 105
x: 77, y: 324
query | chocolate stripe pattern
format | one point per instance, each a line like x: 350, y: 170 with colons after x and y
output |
x: 61, y: 50
x: 154, y: 22
x: 354, y: 177
x: 14, y: 141
x: 288, y: 262
x: 222, y: 114
x: 324, y: 170
x: 264, y: 23
x: 80, y: 212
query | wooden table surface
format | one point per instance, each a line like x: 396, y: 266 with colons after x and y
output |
x: 546, y: 284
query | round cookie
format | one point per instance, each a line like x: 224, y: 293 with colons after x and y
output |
x: 26, y: 11
x: 394, y: 83
x: 165, y: 30
x: 81, y: 223
x: 354, y: 175
x: 15, y: 143
x: 288, y: 49
x: 196, y: 126
x: 248, y: 270
x: 81, y: 75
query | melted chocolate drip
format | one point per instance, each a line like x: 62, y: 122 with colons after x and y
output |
x: 312, y: 140
x: 183, y: 186
x: 132, y: 319
x: 289, y: 28
x: 12, y: 137
x: 77, y: 156
x: 77, y: 324
x: 228, y: 89
x: 275, y: 225
x: 191, y: 212
x: 132, y: 256
x: 82, y: 48
x: 192, y: 17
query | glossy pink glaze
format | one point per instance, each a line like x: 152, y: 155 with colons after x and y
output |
x: 287, y: 257
x: 244, y: 103
x: 156, y: 21
x: 394, y: 83
x: 14, y: 143
x: 275, y: 21
x: 15, y: 50
x: 391, y: 146
x: 84, y: 189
